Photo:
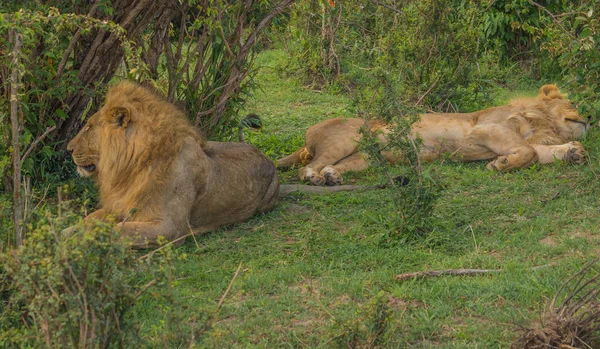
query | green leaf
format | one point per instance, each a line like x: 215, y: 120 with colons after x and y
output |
x: 586, y: 32
x: 61, y: 114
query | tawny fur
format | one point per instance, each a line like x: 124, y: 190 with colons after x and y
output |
x: 525, y: 131
x: 158, y: 176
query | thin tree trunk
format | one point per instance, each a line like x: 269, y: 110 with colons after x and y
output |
x: 14, y: 120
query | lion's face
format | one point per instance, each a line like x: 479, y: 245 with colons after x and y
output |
x: 85, y: 147
x: 570, y: 124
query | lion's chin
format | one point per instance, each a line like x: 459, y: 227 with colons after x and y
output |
x: 86, y: 171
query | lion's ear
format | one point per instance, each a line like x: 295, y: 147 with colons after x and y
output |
x: 120, y: 116
x: 550, y: 92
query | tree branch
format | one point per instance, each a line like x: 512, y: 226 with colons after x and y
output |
x: 454, y: 272
x: 553, y: 18
x: 74, y: 40
x: 15, y: 38
x: 35, y: 143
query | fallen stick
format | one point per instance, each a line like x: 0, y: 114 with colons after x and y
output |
x: 286, y: 189
x: 454, y: 272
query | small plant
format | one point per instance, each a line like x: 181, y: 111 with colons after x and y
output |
x: 573, y: 322
x: 417, y: 193
x: 368, y: 327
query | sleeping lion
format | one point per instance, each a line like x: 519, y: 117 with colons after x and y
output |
x: 157, y: 175
x: 526, y: 131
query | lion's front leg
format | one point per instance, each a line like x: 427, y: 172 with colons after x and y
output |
x: 99, y: 215
x: 146, y: 234
x: 512, y: 150
x: 518, y: 158
x: 572, y: 152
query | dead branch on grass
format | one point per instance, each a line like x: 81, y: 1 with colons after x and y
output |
x: 454, y: 272
x: 286, y: 189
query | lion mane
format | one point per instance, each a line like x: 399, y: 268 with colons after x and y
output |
x: 527, y: 130
x: 158, y: 176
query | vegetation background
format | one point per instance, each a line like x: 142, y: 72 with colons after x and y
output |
x: 318, y: 271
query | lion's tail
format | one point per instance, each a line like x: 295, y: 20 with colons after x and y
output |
x: 300, y: 157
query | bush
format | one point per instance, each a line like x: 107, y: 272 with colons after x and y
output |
x: 75, y: 288
x: 414, y: 199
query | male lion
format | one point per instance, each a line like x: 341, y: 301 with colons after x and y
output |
x: 156, y: 174
x: 526, y: 131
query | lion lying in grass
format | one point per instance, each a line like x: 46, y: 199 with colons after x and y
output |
x: 157, y: 176
x: 525, y: 131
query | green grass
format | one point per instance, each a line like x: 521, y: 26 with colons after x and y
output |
x: 315, y: 273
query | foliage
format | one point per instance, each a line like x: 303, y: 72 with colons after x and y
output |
x: 574, y: 40
x: 208, y: 58
x: 71, y: 50
x: 367, y: 327
x: 46, y: 78
x: 558, y: 39
x: 447, y: 56
x: 75, y: 288
x: 200, y: 50
x: 428, y: 49
x: 415, y: 194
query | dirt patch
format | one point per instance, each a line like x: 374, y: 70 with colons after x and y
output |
x: 548, y: 241
x: 296, y: 209
x: 401, y: 304
x: 308, y: 286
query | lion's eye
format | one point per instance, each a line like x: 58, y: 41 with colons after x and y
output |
x: 577, y: 121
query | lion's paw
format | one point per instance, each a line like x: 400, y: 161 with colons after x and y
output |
x: 499, y: 164
x: 575, y: 154
x: 307, y: 174
x: 332, y: 176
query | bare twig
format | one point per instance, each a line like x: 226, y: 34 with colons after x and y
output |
x: 426, y: 93
x: 553, y: 18
x: 59, y: 198
x: 490, y: 4
x: 389, y: 7
x: 74, y: 40
x: 229, y: 287
x: 15, y: 38
x: 35, y: 143
x: 165, y: 245
x: 193, y: 235
x: 143, y: 289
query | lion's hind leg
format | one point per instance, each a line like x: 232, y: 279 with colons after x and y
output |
x: 571, y: 152
x: 300, y: 157
x: 308, y: 174
x: 353, y: 162
x: 323, y: 169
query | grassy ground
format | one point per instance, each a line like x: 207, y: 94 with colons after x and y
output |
x: 315, y: 273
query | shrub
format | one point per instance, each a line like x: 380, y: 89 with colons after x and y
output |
x: 74, y: 288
